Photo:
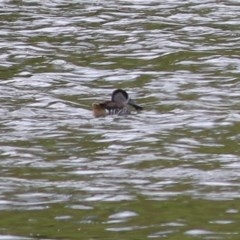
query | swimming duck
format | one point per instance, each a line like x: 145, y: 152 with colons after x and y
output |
x: 118, y: 105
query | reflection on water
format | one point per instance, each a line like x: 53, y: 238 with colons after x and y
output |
x: 170, y: 171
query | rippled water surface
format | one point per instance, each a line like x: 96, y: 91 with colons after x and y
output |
x: 169, y: 172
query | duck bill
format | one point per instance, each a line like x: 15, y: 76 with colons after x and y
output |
x: 133, y: 104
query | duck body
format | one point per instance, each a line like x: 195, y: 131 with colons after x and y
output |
x: 119, y: 104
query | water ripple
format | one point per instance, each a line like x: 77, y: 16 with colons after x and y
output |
x: 177, y: 59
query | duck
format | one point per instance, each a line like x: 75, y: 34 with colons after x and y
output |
x: 119, y: 105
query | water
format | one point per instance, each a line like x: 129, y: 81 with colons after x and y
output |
x: 169, y: 172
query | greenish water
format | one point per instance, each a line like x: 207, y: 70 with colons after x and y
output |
x: 169, y: 172
x: 181, y: 217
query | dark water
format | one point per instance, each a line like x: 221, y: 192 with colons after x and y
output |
x: 169, y: 172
